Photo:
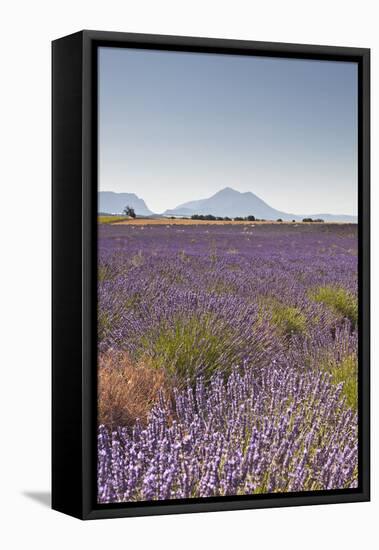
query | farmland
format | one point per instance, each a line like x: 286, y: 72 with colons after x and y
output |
x: 227, y: 359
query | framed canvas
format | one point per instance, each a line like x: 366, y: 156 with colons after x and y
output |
x: 210, y: 274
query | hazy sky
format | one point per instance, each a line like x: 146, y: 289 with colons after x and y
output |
x: 175, y: 127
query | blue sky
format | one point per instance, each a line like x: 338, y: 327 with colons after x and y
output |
x: 175, y: 127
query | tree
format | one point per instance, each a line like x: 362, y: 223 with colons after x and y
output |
x: 307, y: 220
x: 251, y: 218
x: 129, y: 211
x: 279, y: 220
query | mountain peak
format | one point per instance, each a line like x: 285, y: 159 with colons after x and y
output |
x: 114, y: 203
x: 227, y: 191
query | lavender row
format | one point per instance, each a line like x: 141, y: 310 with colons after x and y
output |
x: 231, y: 279
x: 280, y: 431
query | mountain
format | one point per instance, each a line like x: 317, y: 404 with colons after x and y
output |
x: 232, y: 203
x: 114, y: 203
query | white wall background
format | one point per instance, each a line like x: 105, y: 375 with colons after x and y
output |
x: 26, y: 31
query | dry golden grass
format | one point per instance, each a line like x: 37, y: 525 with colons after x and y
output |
x: 126, y: 391
x: 177, y: 221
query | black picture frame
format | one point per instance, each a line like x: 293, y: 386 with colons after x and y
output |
x: 74, y: 205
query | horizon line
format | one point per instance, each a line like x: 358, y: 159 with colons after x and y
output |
x: 226, y: 188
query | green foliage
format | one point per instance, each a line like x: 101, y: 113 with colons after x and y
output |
x: 339, y: 300
x: 289, y: 319
x: 346, y: 372
x: 104, y: 324
x: 104, y: 272
x: 187, y: 345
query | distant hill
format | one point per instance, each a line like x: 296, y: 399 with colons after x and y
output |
x: 114, y: 203
x: 232, y: 203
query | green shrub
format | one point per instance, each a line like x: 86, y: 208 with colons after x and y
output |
x: 289, y: 319
x: 103, y: 273
x: 339, y: 300
x: 104, y: 324
x: 187, y: 345
x: 346, y: 372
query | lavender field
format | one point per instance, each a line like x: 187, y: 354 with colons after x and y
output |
x: 227, y: 359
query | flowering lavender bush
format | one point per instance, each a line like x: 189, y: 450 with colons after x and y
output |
x: 254, y: 328
x: 290, y: 432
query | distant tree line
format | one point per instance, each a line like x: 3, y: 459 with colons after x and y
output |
x: 210, y: 217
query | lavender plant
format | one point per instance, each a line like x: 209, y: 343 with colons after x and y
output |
x: 288, y: 432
